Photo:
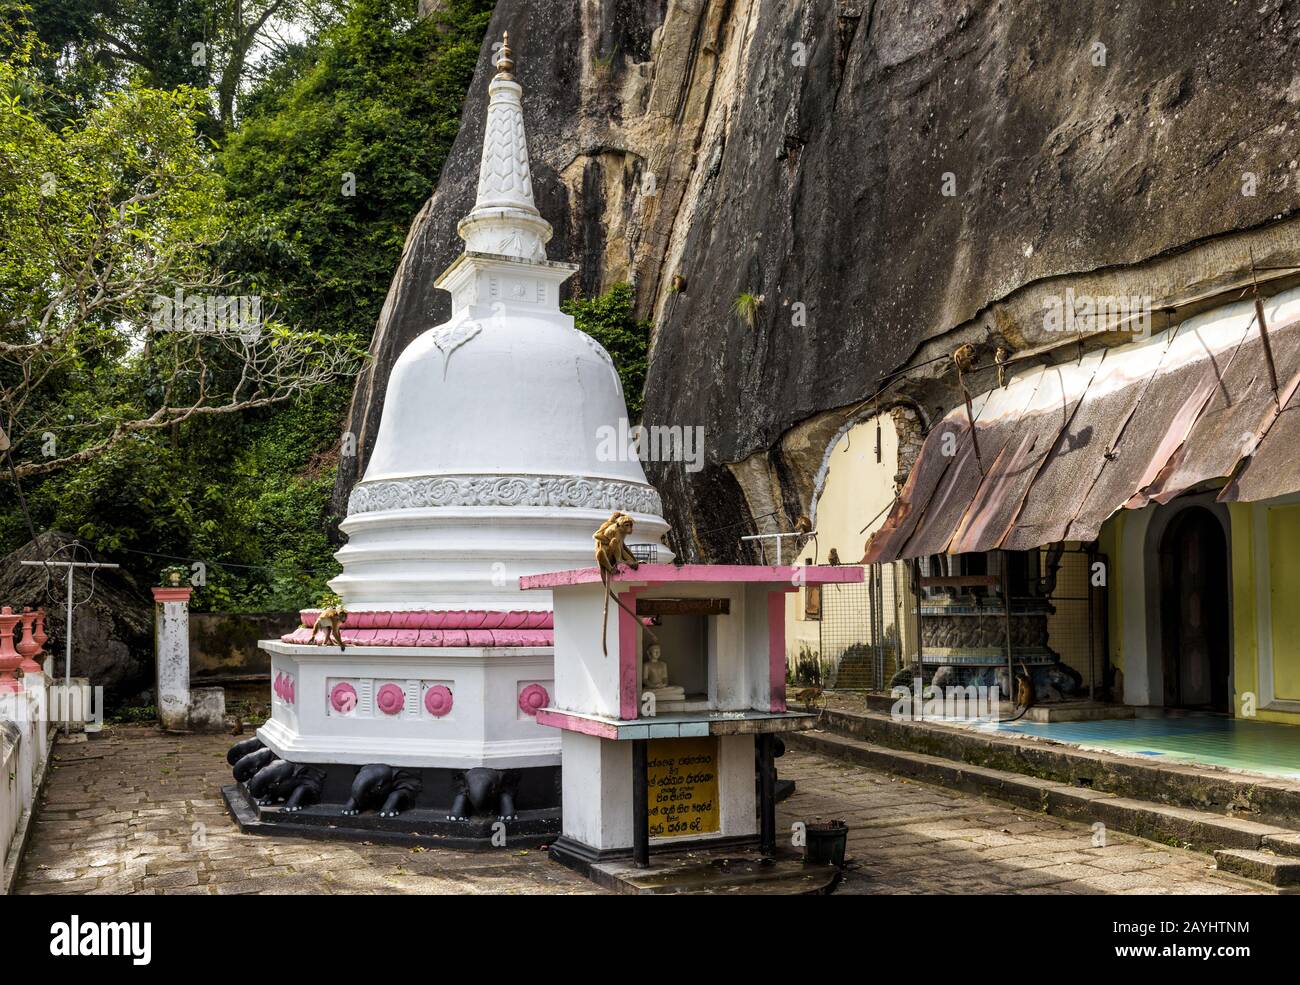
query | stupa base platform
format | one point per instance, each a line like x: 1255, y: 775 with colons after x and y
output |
x: 426, y: 827
x: 410, y: 706
x: 723, y: 866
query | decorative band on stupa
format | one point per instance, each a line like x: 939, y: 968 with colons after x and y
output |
x: 572, y: 492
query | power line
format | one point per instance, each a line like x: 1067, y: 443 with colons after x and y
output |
x: 738, y: 523
x: 228, y: 564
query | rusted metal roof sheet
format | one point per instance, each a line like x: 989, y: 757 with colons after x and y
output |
x: 1274, y: 468
x: 995, y: 426
x: 1068, y: 468
x: 1226, y: 428
x: 1065, y: 447
x: 1169, y: 400
x: 1002, y: 496
x: 931, y: 465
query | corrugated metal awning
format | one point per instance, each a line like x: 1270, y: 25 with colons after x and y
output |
x: 1062, y: 448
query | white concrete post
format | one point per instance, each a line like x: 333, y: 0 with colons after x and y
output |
x: 172, y: 651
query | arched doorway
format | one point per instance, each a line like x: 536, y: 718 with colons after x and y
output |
x: 1194, y: 611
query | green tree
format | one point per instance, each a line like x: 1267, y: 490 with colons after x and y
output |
x: 113, y: 319
x: 611, y: 320
x: 239, y: 502
x: 97, y: 46
x: 339, y: 148
x: 375, y: 93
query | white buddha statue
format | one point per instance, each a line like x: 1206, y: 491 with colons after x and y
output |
x: 654, y: 676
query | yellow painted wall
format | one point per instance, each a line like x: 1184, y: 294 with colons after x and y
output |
x: 1281, y: 595
x: 1244, y: 655
x: 1284, y: 598
x: 857, y: 489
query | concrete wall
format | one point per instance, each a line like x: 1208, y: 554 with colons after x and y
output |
x: 597, y: 791
x: 24, y: 752
x: 224, y: 644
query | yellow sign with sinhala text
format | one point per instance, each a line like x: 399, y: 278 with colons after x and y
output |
x: 682, y: 776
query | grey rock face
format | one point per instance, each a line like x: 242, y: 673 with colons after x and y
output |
x: 800, y: 152
x: 112, y: 633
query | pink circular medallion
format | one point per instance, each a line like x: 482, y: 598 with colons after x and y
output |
x: 343, y: 697
x: 278, y: 687
x: 532, y: 697
x: 437, y: 700
x: 390, y: 699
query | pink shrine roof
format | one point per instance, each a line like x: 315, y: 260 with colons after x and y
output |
x: 663, y: 574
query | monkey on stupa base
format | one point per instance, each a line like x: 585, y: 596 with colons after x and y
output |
x: 331, y: 620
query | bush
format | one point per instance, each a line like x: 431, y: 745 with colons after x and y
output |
x: 610, y: 320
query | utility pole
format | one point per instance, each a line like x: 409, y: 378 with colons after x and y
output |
x: 71, y: 567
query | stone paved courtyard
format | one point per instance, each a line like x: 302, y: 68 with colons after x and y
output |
x: 133, y: 811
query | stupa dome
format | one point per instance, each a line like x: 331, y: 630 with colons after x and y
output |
x: 492, y: 458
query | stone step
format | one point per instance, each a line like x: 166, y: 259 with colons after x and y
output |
x: 1180, y: 826
x: 688, y: 873
x: 1287, y: 844
x: 1078, y: 711
x: 1276, y: 870
x: 1269, y: 800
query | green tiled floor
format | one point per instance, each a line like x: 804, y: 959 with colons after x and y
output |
x: 1262, y: 747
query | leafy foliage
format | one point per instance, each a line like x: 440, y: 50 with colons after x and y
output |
x: 746, y: 307
x: 97, y: 46
x: 377, y: 98
x: 112, y: 326
x: 375, y: 93
x: 611, y: 320
x: 248, y: 497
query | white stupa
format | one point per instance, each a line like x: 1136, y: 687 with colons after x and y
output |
x: 486, y: 468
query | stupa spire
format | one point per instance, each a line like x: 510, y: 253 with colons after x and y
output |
x: 505, y: 220
x: 505, y: 63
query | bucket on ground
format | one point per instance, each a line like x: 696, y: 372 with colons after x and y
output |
x: 826, y: 842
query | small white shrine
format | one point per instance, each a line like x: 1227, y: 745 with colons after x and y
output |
x: 668, y: 740
x: 486, y: 467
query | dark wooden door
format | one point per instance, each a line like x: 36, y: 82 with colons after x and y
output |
x: 1194, y: 611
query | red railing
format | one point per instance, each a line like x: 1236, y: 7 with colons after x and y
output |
x: 28, y: 628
